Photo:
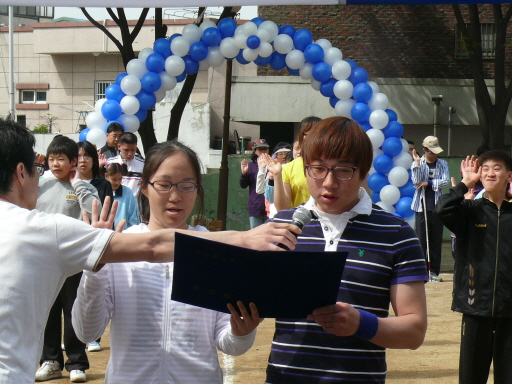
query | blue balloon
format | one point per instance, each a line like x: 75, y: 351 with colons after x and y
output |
x: 377, y: 181
x: 383, y: 164
x: 198, y: 51
x: 226, y: 27
x: 191, y: 66
x: 155, y: 63
x: 151, y: 82
x: 120, y: 77
x: 162, y: 47
x: 287, y: 30
x: 407, y: 190
x: 333, y: 100
x: 321, y: 72
x: 403, y: 207
x: 111, y: 110
x: 375, y: 197
x: 110, y: 122
x: 294, y: 72
x: 181, y: 77
x: 352, y: 63
x: 302, y: 38
x: 114, y: 92
x: 393, y: 129
x: 146, y: 99
x: 83, y: 134
x: 327, y: 87
x: 258, y: 21
x: 362, y: 93
x: 314, y: 53
x: 253, y: 42
x: 392, y: 115
x: 141, y: 114
x: 240, y: 58
x: 360, y: 112
x: 211, y: 37
x: 392, y: 147
x: 277, y: 61
x: 366, y: 126
x: 262, y: 61
x: 358, y: 75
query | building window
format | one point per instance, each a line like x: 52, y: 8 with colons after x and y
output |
x: 31, y: 12
x: 99, y: 89
x: 33, y: 97
x: 488, y: 33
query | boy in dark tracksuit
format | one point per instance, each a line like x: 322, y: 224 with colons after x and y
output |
x: 482, y: 289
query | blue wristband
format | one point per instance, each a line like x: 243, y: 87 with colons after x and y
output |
x: 368, y: 325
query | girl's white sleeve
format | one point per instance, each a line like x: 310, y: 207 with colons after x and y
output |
x: 261, y: 183
x: 229, y: 343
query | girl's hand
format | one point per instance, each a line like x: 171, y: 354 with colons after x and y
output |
x: 244, y: 166
x: 245, y: 324
x: 273, y: 165
x: 102, y: 160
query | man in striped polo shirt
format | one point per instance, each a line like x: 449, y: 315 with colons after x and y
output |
x: 346, y: 341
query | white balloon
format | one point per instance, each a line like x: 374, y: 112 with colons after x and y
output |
x: 371, y: 171
x: 374, y: 85
x: 315, y: 84
x: 228, y: 48
x: 143, y: 55
x: 130, y: 85
x: 295, y: 59
x: 403, y: 159
x: 180, y: 46
x: 160, y: 94
x: 249, y: 54
x: 97, y: 137
x: 398, y: 176
x: 411, y: 220
x: 271, y: 27
x: 95, y: 119
x: 306, y: 72
x: 207, y: 24
x: 130, y: 104
x: 405, y: 145
x: 215, y: 58
x: 324, y: 43
x: 239, y: 29
x: 389, y: 195
x: 263, y: 34
x: 343, y: 107
x: 204, y: 65
x: 332, y: 55
x: 136, y: 67
x: 386, y: 207
x: 250, y: 28
x: 379, y: 119
x: 377, y: 152
x: 378, y: 101
x: 376, y: 136
x: 191, y: 32
x: 240, y: 41
x: 130, y: 123
x: 99, y: 104
x: 341, y: 70
x: 174, y: 65
x: 265, y: 49
x: 343, y: 89
x: 168, y: 82
x: 283, y: 44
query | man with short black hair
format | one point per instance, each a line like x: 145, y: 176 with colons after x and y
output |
x: 114, y: 132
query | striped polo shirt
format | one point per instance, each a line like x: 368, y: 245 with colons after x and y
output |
x: 382, y: 250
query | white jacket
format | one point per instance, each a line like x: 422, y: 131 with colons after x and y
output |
x: 152, y: 339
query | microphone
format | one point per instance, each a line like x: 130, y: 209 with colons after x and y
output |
x: 301, y: 217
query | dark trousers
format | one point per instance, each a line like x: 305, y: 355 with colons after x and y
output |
x: 75, y: 349
x: 435, y: 238
x: 485, y: 340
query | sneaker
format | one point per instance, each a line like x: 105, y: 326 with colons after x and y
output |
x: 93, y: 346
x: 435, y: 278
x: 49, y: 370
x: 77, y: 376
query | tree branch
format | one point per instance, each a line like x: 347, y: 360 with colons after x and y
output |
x: 103, y: 29
x: 139, y: 24
x: 113, y: 15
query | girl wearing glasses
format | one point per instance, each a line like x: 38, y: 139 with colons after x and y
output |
x: 154, y: 339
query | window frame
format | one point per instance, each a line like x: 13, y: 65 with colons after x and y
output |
x: 488, y: 38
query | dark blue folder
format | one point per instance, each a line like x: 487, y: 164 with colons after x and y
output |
x: 287, y: 284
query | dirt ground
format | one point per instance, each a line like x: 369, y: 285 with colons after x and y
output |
x: 435, y: 361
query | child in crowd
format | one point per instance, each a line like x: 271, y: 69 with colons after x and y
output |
x: 67, y: 194
x: 127, y: 149
x: 154, y: 339
x: 127, y: 208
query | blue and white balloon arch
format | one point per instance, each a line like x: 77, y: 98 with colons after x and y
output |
x: 158, y: 70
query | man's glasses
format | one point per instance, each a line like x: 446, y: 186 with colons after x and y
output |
x: 340, y: 173
x: 165, y: 186
x: 40, y: 169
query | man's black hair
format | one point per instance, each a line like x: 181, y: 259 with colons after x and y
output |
x: 63, y: 145
x: 115, y: 127
x: 128, y: 138
x: 16, y: 146
x: 496, y: 155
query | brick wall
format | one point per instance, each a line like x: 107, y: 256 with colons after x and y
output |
x: 387, y: 40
